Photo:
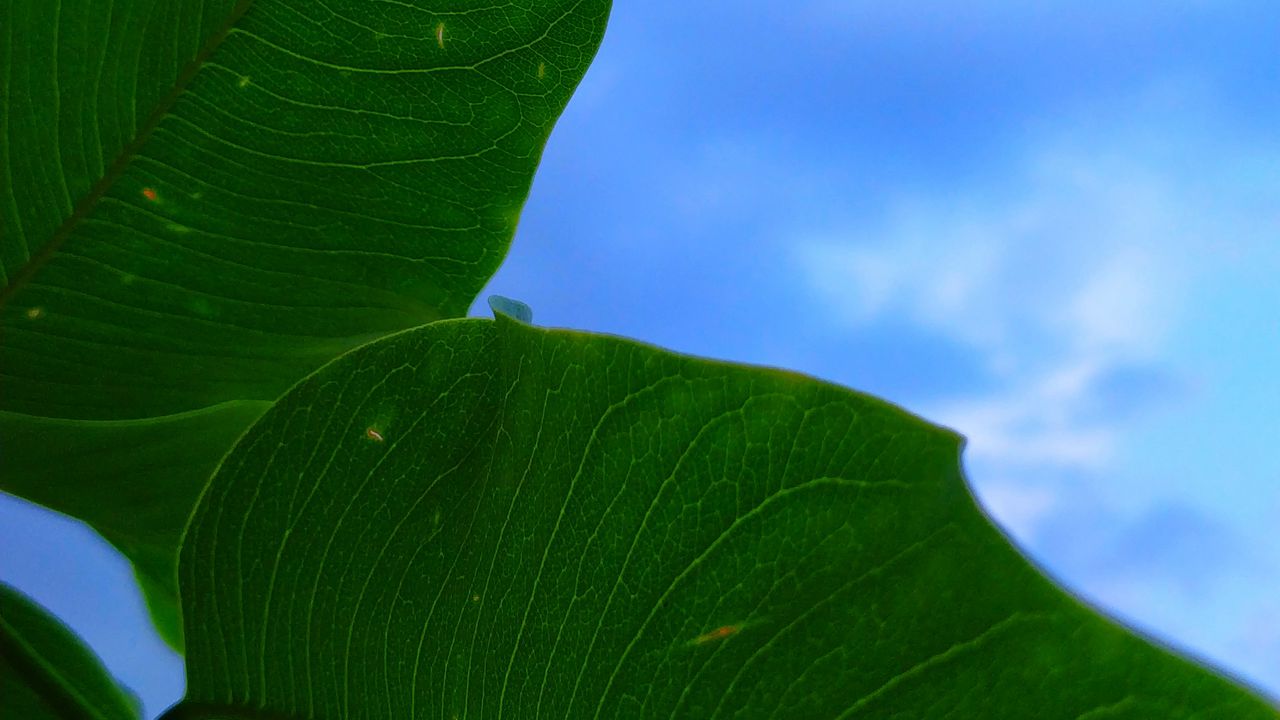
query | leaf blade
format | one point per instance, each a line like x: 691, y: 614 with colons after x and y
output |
x: 207, y: 201
x: 47, y: 672
x: 565, y: 525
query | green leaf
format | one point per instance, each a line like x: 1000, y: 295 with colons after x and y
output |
x: 488, y: 519
x: 203, y: 201
x: 136, y: 479
x: 47, y: 672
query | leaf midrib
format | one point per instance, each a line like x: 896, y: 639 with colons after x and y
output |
x: 127, y: 154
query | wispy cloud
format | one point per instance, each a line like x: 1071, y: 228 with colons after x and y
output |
x: 1070, y: 270
x: 1077, y: 250
x: 1073, y: 272
x: 1174, y: 569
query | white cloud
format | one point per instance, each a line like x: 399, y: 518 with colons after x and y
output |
x: 1034, y: 420
x: 1018, y: 506
x: 1082, y: 251
x: 1052, y: 284
x: 1115, y: 239
x: 908, y: 273
x: 1084, y: 257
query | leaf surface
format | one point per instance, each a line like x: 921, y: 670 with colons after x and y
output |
x: 488, y: 519
x: 46, y: 672
x: 203, y: 201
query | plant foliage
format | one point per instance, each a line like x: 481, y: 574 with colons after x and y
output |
x: 238, y: 236
x: 487, y: 519
x: 47, y: 673
x: 205, y: 201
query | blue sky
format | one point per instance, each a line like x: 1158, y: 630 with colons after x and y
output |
x: 1050, y: 225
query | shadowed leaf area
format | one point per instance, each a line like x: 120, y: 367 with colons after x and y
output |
x: 203, y: 201
x: 46, y: 672
x: 488, y: 519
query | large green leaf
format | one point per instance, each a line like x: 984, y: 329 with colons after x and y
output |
x: 204, y: 200
x: 486, y: 519
x: 47, y: 672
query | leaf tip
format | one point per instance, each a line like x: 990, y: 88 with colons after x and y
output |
x: 513, y: 309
